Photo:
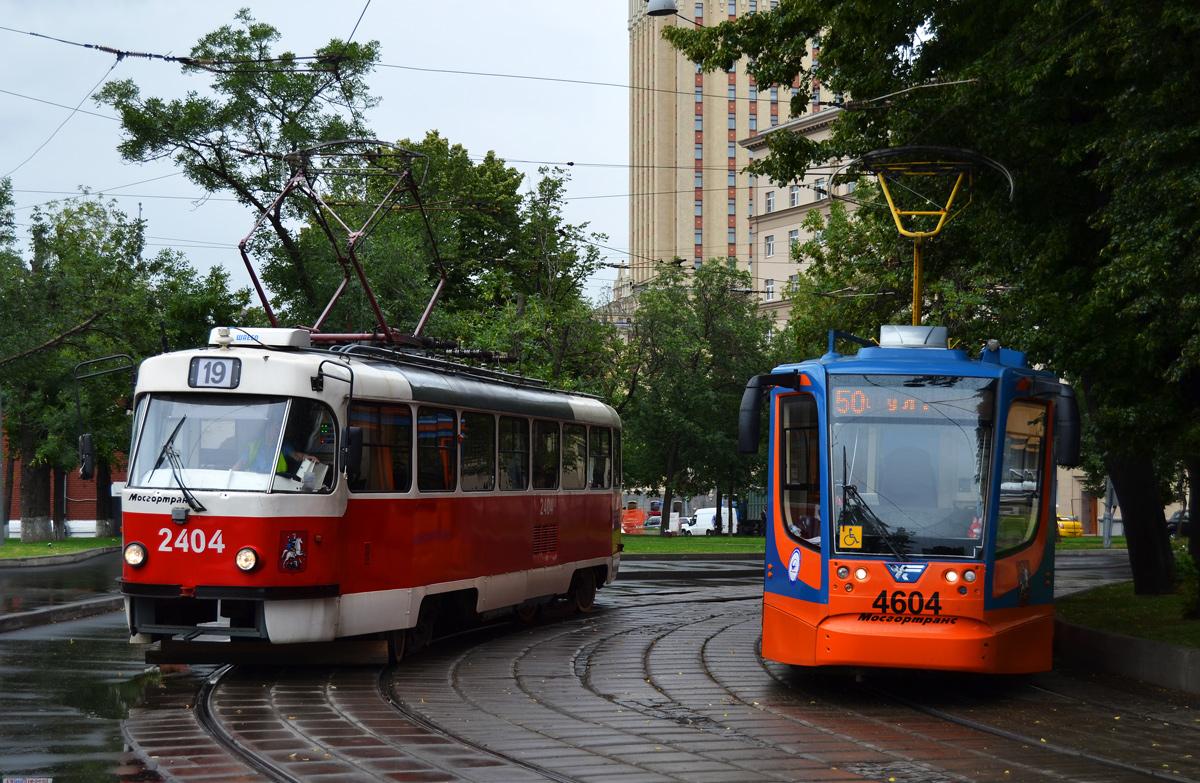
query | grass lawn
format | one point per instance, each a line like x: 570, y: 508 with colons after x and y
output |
x: 13, y: 547
x: 1115, y: 608
x: 658, y: 545
x: 1088, y: 542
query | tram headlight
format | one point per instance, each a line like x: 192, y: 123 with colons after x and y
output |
x: 969, y: 576
x: 135, y: 554
x: 246, y: 559
x: 951, y: 576
x: 860, y: 573
x: 843, y: 572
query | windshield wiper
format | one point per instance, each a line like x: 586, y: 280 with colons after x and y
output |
x: 858, y: 510
x: 162, y: 453
x: 172, y: 456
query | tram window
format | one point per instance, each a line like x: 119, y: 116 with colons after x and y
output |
x: 478, y: 438
x: 574, y: 460
x: 1021, y: 473
x: 436, y: 452
x: 600, y: 458
x: 514, y: 453
x: 387, y: 447
x: 545, y: 455
x: 616, y: 458
x: 309, y: 434
x: 800, y: 469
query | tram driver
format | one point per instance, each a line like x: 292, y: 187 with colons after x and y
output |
x: 256, y: 456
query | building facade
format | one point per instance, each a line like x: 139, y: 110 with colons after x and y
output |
x: 689, y: 198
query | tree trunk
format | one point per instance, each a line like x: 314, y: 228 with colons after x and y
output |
x: 106, y: 526
x: 672, y: 456
x: 10, y: 475
x: 1145, y: 527
x: 718, y: 520
x: 1193, y: 498
x: 59, y: 503
x: 35, y: 490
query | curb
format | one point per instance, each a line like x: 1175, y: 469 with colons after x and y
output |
x: 61, y: 613
x: 63, y: 559
x: 1157, y: 663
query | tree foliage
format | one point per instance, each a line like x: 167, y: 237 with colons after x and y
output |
x: 696, y: 338
x: 1091, y: 268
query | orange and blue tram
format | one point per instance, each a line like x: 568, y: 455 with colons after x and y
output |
x: 911, y: 505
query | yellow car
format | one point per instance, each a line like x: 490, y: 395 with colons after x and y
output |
x: 1069, y: 527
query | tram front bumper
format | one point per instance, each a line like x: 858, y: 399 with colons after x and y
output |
x: 912, y: 642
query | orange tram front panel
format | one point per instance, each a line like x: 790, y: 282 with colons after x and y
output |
x: 909, y: 500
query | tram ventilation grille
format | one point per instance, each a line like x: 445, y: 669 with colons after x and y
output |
x: 545, y: 539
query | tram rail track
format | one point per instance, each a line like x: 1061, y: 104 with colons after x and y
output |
x: 670, y: 681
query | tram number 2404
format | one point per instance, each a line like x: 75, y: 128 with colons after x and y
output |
x: 900, y: 602
x: 193, y: 540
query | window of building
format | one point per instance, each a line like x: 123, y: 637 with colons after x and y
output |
x: 774, y: 95
x: 699, y: 151
x: 816, y: 95
x: 733, y: 149
x: 733, y: 206
x: 753, y: 122
x: 699, y: 10
x: 793, y: 280
x: 731, y: 178
x: 699, y: 179
x: 697, y: 262
x: 753, y: 6
x: 437, y: 452
x: 770, y: 201
x: 770, y: 290
x: 699, y: 122
x: 793, y: 239
x: 387, y: 447
x: 732, y: 121
x: 545, y: 455
x: 514, y: 453
x: 732, y: 92
x: 477, y: 441
x: 699, y: 237
x: 794, y: 196
x: 732, y: 236
x: 699, y: 207
x: 820, y: 188
x: 769, y: 245
x: 754, y: 92
x: 574, y: 456
x: 699, y: 93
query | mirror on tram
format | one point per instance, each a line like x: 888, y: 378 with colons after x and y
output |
x: 352, y: 451
x: 87, y: 467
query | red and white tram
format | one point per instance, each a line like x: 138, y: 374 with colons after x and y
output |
x: 287, y: 494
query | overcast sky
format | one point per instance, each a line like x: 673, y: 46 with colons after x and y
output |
x: 526, y: 121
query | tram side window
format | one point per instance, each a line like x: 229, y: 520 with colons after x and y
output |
x: 545, y: 455
x: 616, y: 458
x: 478, y: 436
x: 800, y: 469
x: 574, y: 459
x: 600, y: 458
x: 387, y: 447
x: 514, y: 453
x: 1021, y: 474
x: 436, y: 449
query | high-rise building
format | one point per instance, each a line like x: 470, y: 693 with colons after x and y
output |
x: 689, y: 198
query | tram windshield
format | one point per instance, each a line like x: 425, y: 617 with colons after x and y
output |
x: 232, y: 442
x: 910, y: 461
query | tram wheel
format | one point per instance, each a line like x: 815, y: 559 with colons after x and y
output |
x: 420, y: 635
x: 583, y: 589
x: 395, y: 645
x: 526, y: 612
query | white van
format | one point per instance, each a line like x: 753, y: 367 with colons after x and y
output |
x: 704, y: 522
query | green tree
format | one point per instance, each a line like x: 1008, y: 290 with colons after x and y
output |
x: 263, y: 106
x: 87, y: 292
x: 1092, y: 268
x: 697, y: 337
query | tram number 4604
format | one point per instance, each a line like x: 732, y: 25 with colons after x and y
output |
x: 899, y: 602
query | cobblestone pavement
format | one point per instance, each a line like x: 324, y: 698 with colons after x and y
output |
x: 663, y: 682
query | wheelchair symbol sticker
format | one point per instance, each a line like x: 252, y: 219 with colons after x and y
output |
x: 794, y: 565
x: 851, y: 536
